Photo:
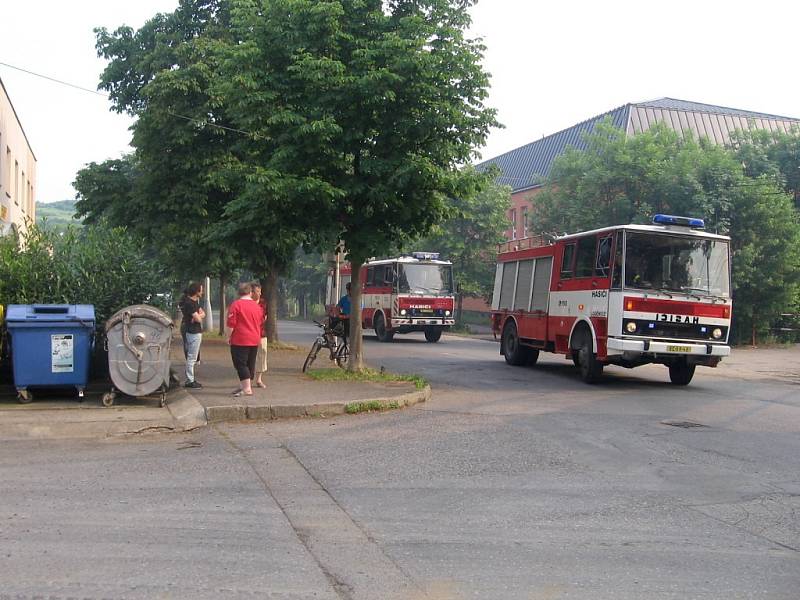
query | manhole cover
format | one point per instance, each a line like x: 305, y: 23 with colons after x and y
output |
x: 684, y: 424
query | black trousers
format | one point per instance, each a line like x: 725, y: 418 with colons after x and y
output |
x: 345, y: 325
x: 244, y: 361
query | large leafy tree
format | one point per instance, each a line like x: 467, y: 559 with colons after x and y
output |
x: 361, y: 112
x: 111, y: 193
x: 772, y: 153
x: 469, y: 238
x: 621, y: 179
x: 184, y: 145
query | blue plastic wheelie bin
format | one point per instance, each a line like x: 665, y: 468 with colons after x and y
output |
x: 51, y: 346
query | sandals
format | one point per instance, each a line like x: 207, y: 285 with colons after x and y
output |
x: 242, y: 393
x: 260, y: 385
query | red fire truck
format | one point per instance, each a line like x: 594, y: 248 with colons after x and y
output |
x: 627, y: 295
x: 399, y: 295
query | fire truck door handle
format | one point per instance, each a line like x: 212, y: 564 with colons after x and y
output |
x: 594, y: 284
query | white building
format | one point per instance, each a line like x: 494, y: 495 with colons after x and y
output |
x: 17, y: 171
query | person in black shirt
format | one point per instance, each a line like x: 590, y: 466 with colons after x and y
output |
x: 192, y: 325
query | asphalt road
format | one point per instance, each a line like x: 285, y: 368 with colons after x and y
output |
x: 519, y: 483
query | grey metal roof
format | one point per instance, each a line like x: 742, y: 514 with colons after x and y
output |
x: 686, y: 105
x: 527, y: 166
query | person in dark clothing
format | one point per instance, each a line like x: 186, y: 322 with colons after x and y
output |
x: 344, y: 307
x: 192, y: 330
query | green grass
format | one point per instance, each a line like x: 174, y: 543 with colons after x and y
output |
x: 370, y: 406
x: 366, y: 375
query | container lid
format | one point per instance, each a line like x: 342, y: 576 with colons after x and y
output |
x: 139, y: 311
x: 50, y: 313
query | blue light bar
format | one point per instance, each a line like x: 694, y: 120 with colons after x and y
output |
x: 679, y: 221
x: 425, y: 255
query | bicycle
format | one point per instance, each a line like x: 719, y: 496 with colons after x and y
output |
x: 329, y: 339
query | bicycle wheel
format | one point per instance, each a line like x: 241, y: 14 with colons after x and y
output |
x: 312, y: 355
x: 343, y: 356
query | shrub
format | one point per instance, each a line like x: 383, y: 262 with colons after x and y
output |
x: 104, y: 266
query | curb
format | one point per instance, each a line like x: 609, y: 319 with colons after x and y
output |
x: 183, y: 413
x: 267, y: 412
x: 187, y: 413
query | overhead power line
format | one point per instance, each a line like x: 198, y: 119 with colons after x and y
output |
x: 195, y: 120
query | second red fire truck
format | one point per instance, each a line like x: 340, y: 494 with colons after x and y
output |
x: 413, y: 292
x: 627, y: 295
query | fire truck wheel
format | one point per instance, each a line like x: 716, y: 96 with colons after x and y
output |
x: 515, y: 353
x: 433, y: 334
x: 380, y: 329
x: 590, y: 368
x: 533, y: 356
x: 681, y: 373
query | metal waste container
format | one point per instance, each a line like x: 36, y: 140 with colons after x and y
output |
x: 51, y: 346
x: 139, y: 339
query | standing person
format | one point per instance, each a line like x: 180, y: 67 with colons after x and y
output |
x: 192, y: 326
x: 345, y: 305
x: 244, y: 321
x: 261, y: 356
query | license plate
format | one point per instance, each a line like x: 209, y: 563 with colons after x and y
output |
x: 684, y: 349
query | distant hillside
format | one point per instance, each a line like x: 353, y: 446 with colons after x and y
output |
x: 57, y: 214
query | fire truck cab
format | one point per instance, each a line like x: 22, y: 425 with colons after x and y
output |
x: 413, y: 292
x: 626, y: 295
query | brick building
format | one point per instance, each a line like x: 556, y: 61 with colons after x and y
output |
x: 525, y: 168
x: 17, y: 170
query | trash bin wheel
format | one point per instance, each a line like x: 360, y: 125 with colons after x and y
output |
x: 108, y: 399
x: 24, y: 396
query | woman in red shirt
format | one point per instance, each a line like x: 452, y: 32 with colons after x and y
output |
x: 245, y: 319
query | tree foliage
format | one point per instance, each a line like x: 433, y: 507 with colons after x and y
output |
x: 621, y: 179
x: 262, y: 124
x: 469, y: 238
x: 772, y: 153
x: 360, y: 114
x: 170, y: 190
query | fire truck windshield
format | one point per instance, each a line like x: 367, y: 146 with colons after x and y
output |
x: 425, y: 279
x: 673, y: 263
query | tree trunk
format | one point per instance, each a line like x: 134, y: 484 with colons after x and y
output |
x: 301, y: 305
x: 283, y: 298
x: 222, y: 309
x: 356, y: 362
x: 269, y: 286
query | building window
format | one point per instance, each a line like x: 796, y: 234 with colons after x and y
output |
x: 16, y: 183
x: 514, y: 224
x: 24, y: 194
x: 525, y: 221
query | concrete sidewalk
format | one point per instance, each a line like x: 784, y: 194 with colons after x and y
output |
x: 289, y: 392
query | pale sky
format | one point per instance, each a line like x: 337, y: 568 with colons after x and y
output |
x: 553, y: 64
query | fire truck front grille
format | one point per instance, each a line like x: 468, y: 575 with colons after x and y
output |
x: 683, y: 331
x: 426, y: 312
